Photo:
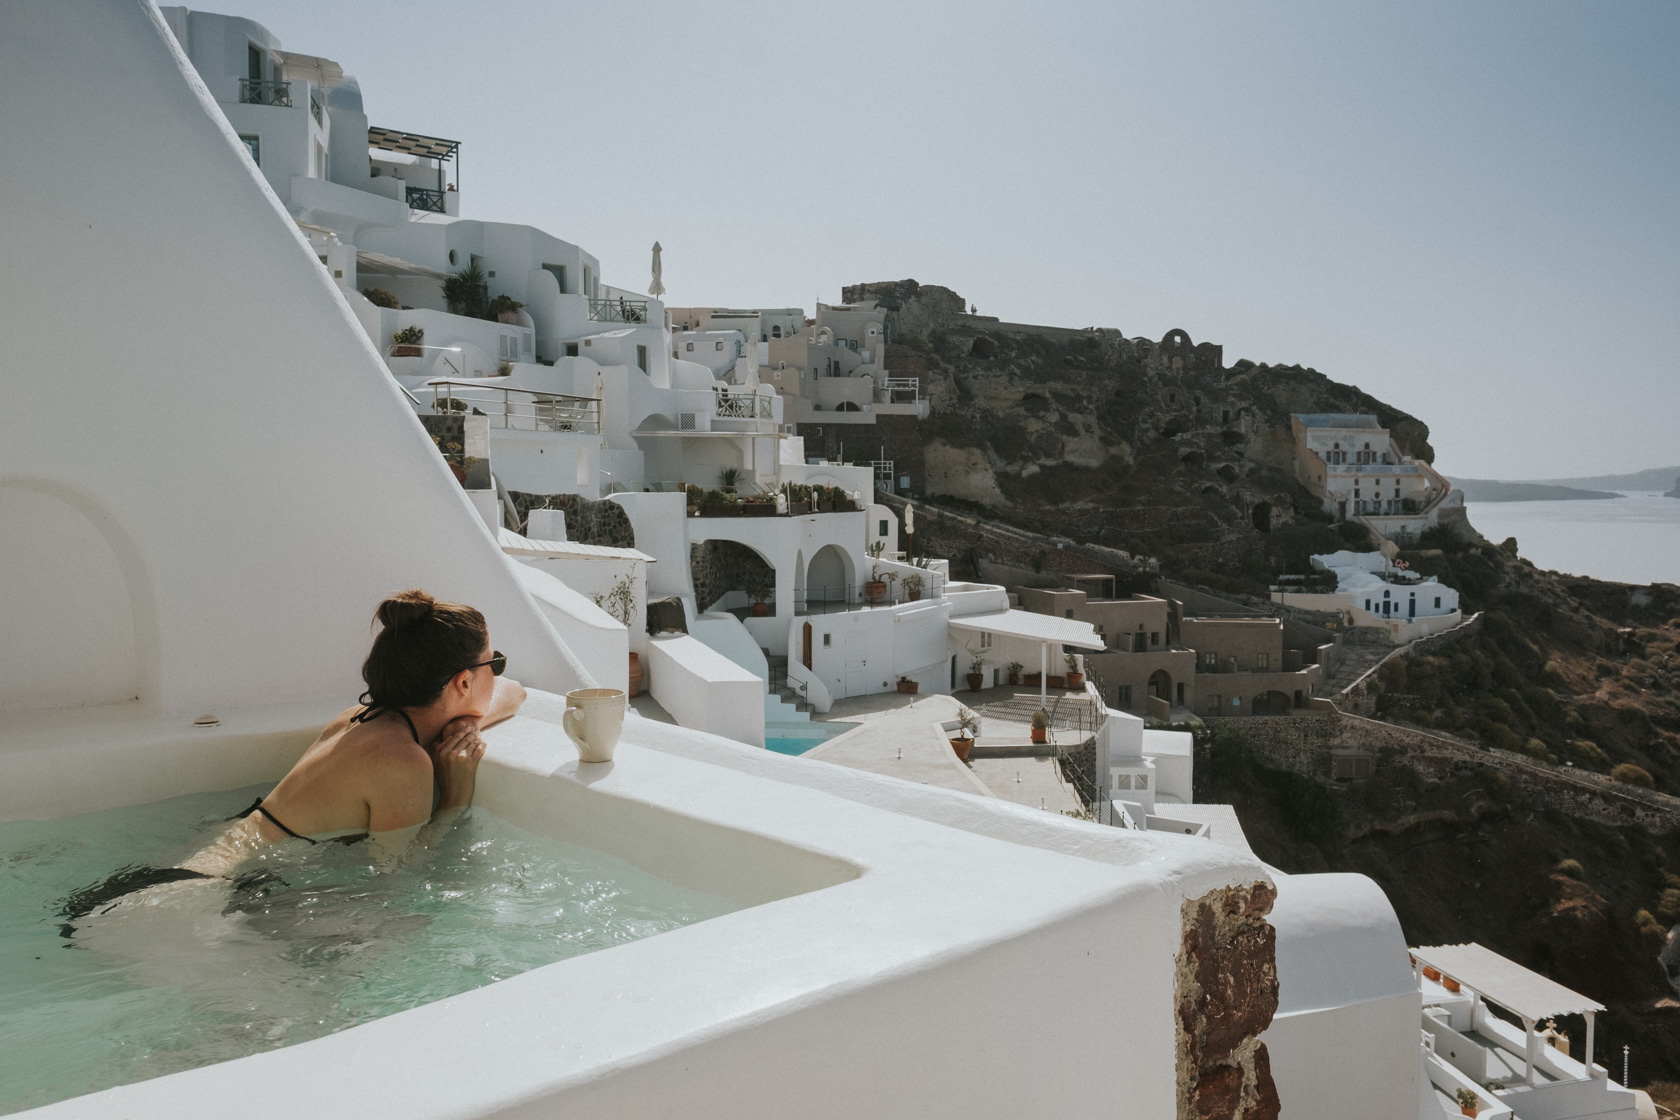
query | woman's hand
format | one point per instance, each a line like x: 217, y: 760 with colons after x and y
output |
x: 455, y: 762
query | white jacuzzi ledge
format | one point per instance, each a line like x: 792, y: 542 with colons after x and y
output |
x: 969, y: 970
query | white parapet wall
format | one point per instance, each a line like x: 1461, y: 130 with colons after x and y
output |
x: 704, y: 690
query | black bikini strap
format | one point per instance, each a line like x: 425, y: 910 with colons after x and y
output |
x: 257, y: 807
x: 374, y: 711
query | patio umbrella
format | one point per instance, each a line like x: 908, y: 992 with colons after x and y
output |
x: 657, y: 288
x: 909, y: 531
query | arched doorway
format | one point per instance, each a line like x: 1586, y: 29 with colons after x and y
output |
x: 1161, y: 685
x: 1273, y: 703
x: 829, y: 577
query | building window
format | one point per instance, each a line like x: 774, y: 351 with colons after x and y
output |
x: 1262, y: 661
x: 883, y: 531
x: 719, y: 345
x: 1123, y: 696
x: 571, y: 350
x: 828, y: 640
x: 691, y: 346
x: 1437, y: 602
x: 1069, y: 613
x: 985, y: 639
x: 1214, y: 702
x: 1236, y: 701
x: 1154, y: 637
x: 253, y: 145
x: 641, y: 358
x: 1210, y: 661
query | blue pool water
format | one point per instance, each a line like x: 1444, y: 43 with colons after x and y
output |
x: 797, y: 738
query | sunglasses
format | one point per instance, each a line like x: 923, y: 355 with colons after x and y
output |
x: 497, y: 663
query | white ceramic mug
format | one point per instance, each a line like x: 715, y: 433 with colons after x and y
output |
x: 594, y: 719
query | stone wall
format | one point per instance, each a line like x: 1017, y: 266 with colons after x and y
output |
x: 1227, y: 988
x: 719, y: 567
x: 1304, y: 744
x: 587, y: 521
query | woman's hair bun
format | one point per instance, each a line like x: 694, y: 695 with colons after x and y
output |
x: 405, y: 607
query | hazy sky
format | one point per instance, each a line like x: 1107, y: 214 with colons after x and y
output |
x: 1467, y: 209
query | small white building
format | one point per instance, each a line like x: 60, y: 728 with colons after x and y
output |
x: 1371, y: 590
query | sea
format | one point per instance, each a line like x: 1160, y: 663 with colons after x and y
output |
x: 1631, y: 539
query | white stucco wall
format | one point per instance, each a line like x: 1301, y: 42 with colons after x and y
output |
x: 1348, y: 1005
x: 704, y: 690
x: 253, y: 551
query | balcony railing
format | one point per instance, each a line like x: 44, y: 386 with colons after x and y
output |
x: 518, y: 409
x: 855, y: 597
x: 619, y: 310
x: 424, y: 198
x: 901, y: 390
x: 745, y: 406
x: 315, y: 109
x: 254, y: 92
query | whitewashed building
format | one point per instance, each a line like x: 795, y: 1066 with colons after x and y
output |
x: 1373, y: 590
x: 1352, y: 463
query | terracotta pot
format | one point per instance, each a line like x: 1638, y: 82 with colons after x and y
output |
x: 913, y: 594
x: 1014, y: 678
x: 909, y: 687
x: 1076, y: 680
x: 459, y: 470
x: 976, y: 681
x: 404, y: 350
x: 875, y: 590
x: 962, y: 747
x: 1057, y: 682
x: 636, y: 675
x: 1040, y: 735
x: 509, y: 317
x: 1032, y: 679
x: 760, y: 610
x: 1467, y: 1109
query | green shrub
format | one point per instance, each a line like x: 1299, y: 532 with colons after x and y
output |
x: 1536, y: 748
x: 1589, y: 752
x: 379, y: 297
x: 1648, y: 926
x: 1668, y: 906
x: 1629, y: 774
x: 1569, y: 867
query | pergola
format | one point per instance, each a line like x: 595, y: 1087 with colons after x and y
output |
x: 1045, y: 629
x: 1525, y: 993
x: 414, y: 144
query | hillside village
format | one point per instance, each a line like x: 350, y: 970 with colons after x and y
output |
x: 1230, y: 604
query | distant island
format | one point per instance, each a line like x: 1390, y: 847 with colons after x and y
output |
x: 1657, y: 478
x: 1674, y: 493
x: 1487, y: 490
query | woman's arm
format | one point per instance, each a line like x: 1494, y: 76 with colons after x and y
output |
x: 504, y: 701
x: 455, y: 767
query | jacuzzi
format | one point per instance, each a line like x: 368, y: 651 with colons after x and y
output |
x: 901, y: 951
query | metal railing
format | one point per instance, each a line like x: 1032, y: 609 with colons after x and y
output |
x: 618, y: 310
x: 518, y: 409
x: 853, y: 597
x: 745, y: 406
x: 901, y: 390
x: 315, y: 108
x: 255, y: 92
x: 424, y: 198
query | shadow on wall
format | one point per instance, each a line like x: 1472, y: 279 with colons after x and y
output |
x: 75, y: 584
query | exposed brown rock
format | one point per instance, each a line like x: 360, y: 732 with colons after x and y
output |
x: 1227, y: 994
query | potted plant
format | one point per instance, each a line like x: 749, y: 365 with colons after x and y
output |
x: 976, y: 674
x: 728, y: 477
x: 875, y: 588
x: 406, y: 342
x: 1014, y: 671
x: 694, y: 494
x: 760, y: 590
x: 1075, y: 678
x: 504, y: 369
x: 906, y: 685
x: 760, y: 505
x: 619, y: 600
x: 963, y: 742
x: 913, y: 586
x: 379, y: 297
x: 1040, y: 726
x: 825, y: 498
x: 1467, y: 1101
x: 506, y: 309
x: 467, y: 292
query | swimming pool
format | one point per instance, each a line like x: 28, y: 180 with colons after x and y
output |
x: 202, y: 973
x: 797, y: 738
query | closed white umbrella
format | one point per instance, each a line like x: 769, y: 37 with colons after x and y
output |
x: 657, y: 288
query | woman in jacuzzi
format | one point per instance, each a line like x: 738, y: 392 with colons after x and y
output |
x: 396, y: 771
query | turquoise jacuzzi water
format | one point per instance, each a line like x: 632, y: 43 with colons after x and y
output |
x: 203, y: 974
x: 797, y: 738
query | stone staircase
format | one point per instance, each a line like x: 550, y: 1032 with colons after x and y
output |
x: 780, y: 693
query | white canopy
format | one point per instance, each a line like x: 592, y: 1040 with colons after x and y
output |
x: 1037, y: 627
x: 1505, y: 982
